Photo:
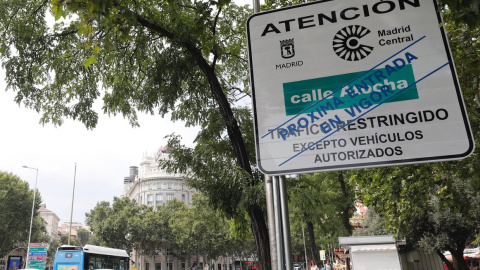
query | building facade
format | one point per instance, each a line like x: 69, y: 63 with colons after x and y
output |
x: 65, y: 228
x: 51, y: 220
x: 149, y: 185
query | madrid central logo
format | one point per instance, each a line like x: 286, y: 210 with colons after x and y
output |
x: 346, y: 43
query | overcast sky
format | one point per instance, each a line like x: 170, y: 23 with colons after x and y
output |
x: 103, y: 155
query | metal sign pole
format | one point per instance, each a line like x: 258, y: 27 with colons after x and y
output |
x: 271, y: 221
x: 278, y: 224
x: 285, y: 222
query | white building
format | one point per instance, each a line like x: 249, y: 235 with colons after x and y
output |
x: 152, y: 186
x: 51, y: 219
x: 149, y: 185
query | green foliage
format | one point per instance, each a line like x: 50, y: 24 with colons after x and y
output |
x: 320, y: 206
x: 118, y: 225
x: 54, y: 244
x: 199, y: 230
x: 203, y: 231
x: 433, y: 205
x: 84, y: 236
x: 73, y: 240
x: 15, y: 212
x: 372, y: 225
x: 465, y: 11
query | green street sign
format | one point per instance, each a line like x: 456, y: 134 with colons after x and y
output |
x: 38, y: 249
x: 37, y: 264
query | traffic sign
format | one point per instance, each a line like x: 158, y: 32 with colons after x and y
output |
x: 36, y: 264
x: 38, y: 249
x: 38, y: 244
x: 342, y: 84
x: 322, y: 255
x: 37, y: 258
x: 42, y: 253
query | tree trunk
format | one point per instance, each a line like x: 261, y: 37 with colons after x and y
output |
x: 345, y: 204
x: 444, y: 260
x: 313, y: 245
x: 258, y: 224
x: 457, y: 256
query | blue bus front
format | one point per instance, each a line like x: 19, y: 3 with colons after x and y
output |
x: 69, y: 258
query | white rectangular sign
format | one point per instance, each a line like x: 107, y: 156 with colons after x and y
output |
x: 351, y: 84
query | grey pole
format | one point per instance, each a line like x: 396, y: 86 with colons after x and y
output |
x: 278, y: 224
x: 304, y: 247
x: 31, y: 218
x: 285, y: 222
x: 71, y: 211
x: 271, y: 221
x: 256, y: 6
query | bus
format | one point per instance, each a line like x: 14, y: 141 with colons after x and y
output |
x: 90, y: 257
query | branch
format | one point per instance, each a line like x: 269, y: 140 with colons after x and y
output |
x: 9, y: 22
x: 65, y: 33
x: 43, y: 4
x: 214, y: 27
x: 154, y: 27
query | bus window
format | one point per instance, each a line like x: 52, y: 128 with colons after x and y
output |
x: 115, y: 263
x: 108, y: 263
x: 98, y: 263
x: 91, y: 263
x: 122, y: 265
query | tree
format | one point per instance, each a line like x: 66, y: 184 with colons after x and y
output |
x: 204, y: 231
x: 54, y: 244
x: 322, y: 204
x: 84, y: 236
x: 115, y: 225
x: 15, y: 211
x: 372, y: 225
x: 73, y: 240
x: 150, y: 56
x: 433, y: 205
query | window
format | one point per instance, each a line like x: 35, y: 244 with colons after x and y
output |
x: 159, y: 185
x: 169, y: 265
x: 169, y: 252
x: 147, y: 265
x: 183, y: 197
x: 159, y: 199
x: 158, y: 266
x: 150, y: 186
x: 150, y: 199
x: 170, y: 185
x: 219, y: 267
x: 169, y: 197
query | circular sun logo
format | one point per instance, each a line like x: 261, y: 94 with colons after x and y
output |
x: 346, y: 43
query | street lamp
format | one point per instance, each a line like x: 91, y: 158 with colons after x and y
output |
x: 31, y: 219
